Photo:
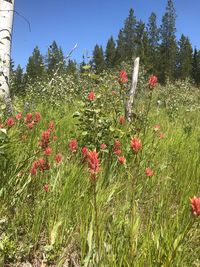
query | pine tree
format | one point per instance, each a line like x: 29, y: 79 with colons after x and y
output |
x: 120, y: 50
x: 185, y: 52
x: 71, y: 67
x: 98, y: 59
x: 153, y: 43
x: 35, y: 67
x: 129, y: 36
x: 141, y: 42
x: 18, y: 81
x: 168, y: 47
x: 196, y: 66
x: 110, y: 53
x: 55, y: 59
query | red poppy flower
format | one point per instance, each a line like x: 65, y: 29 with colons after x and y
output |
x: 195, y: 204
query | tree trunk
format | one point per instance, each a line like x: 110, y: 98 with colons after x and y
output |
x: 129, y: 103
x: 6, y: 24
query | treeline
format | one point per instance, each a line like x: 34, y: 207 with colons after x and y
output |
x: 157, y: 46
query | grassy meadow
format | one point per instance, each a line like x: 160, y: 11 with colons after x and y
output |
x: 129, y: 205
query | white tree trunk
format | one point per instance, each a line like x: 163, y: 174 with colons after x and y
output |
x: 130, y: 100
x: 6, y: 25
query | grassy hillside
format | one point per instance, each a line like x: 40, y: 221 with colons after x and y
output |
x: 128, y: 205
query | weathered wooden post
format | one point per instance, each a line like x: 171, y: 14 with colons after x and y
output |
x: 131, y: 94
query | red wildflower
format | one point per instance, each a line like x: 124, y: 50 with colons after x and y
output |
x: 28, y: 117
x: 84, y: 151
x: 10, y: 122
x: 73, y: 145
x: 33, y: 171
x: 37, y: 116
x: 45, y: 139
x: 122, y: 159
x: 118, y: 152
x: 93, y: 162
x: 55, y: 138
x: 123, y: 77
x: 30, y: 125
x: 58, y: 158
x: 195, y: 204
x: 47, y: 151
x: 46, y: 188
x: 149, y: 172
x: 51, y: 125
x: 116, y: 145
x: 161, y: 135
x: 103, y: 146
x: 156, y: 127
x: 136, y: 144
x: 153, y: 81
x: 36, y: 164
x: 122, y: 120
x: 18, y: 116
x: 91, y: 96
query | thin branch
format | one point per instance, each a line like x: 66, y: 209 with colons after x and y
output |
x: 67, y: 56
x: 24, y: 18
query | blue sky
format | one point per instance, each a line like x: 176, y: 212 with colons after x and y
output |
x: 88, y: 22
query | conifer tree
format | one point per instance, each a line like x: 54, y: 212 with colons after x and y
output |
x: 129, y: 35
x: 35, y: 67
x: 168, y: 47
x: 110, y: 53
x: 98, y: 59
x: 196, y: 66
x: 120, y: 50
x: 71, y: 67
x: 18, y: 81
x: 184, y: 64
x: 153, y: 43
x: 55, y: 59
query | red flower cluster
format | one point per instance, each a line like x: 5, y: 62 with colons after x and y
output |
x: 136, y: 144
x: 122, y: 120
x: 18, y: 116
x: 117, y: 148
x: 91, y: 96
x: 103, y: 146
x: 84, y: 151
x: 195, y: 204
x: 93, y: 162
x: 58, y: 158
x: 122, y: 160
x: 149, y: 172
x: 30, y: 120
x: 123, y: 77
x: 73, y: 145
x: 10, y: 122
x: 153, y: 81
x: 40, y: 164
